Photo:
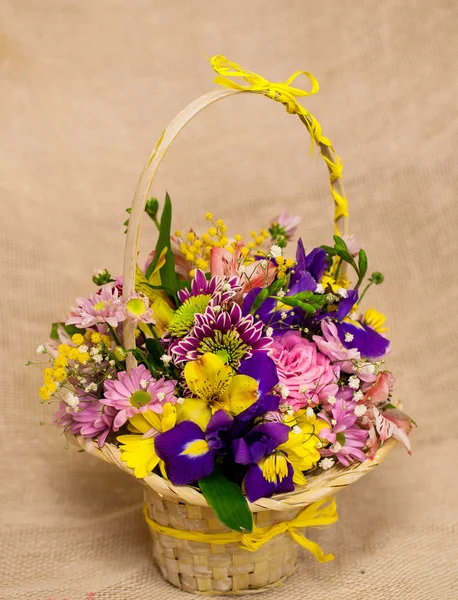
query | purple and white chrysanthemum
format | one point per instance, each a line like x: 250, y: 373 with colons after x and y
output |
x: 346, y: 439
x: 220, y: 289
x: 104, y: 306
x: 136, y: 392
x: 228, y: 334
x: 86, y: 416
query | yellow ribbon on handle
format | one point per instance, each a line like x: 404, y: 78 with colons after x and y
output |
x: 315, y: 515
x: 286, y: 94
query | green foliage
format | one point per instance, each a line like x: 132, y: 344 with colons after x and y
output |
x: 70, y: 329
x: 228, y: 502
x: 169, y: 278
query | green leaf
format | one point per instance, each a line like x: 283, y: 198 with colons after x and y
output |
x: 342, y: 250
x: 307, y: 307
x: 228, y: 502
x: 329, y: 250
x: 169, y: 278
x: 70, y: 329
x: 303, y: 295
x: 276, y: 285
x: 362, y: 264
x: 155, y: 349
x: 263, y: 294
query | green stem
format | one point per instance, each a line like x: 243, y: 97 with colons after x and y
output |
x: 114, y: 334
x: 364, y: 292
x: 336, y: 274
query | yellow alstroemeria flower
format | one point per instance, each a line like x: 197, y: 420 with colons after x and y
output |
x: 137, y: 451
x: 301, y: 446
x: 375, y: 319
x: 214, y: 386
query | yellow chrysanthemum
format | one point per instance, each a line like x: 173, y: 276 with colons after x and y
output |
x: 83, y: 357
x: 60, y: 361
x: 73, y: 353
x: 51, y: 386
x: 375, y: 319
x: 96, y: 338
x: 44, y: 393
x: 78, y: 339
x: 138, y: 452
x: 60, y: 375
x: 301, y: 446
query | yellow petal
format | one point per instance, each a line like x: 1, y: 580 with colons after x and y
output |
x: 298, y: 477
x: 196, y: 448
x: 196, y: 410
x: 207, y: 377
x: 241, y: 394
x: 144, y: 421
x: 138, y: 453
x: 162, y: 315
x: 168, y: 416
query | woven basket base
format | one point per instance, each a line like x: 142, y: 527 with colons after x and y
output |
x: 214, y: 570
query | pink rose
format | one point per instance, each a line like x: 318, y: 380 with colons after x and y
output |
x: 309, y: 375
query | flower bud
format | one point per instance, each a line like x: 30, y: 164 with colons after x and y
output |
x: 120, y: 353
x: 101, y: 276
x: 152, y: 207
x: 377, y: 278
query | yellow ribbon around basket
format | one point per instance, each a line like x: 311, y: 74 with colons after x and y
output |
x: 316, y: 514
x: 286, y: 94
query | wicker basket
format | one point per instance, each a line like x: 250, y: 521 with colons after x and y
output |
x: 227, y: 570
x: 202, y: 567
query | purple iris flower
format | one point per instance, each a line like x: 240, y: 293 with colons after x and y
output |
x: 255, y: 449
x: 345, y: 305
x: 261, y: 368
x: 314, y: 264
x: 188, y: 452
x: 259, y: 443
x: 369, y: 343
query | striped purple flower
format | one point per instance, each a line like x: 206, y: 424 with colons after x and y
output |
x: 226, y: 333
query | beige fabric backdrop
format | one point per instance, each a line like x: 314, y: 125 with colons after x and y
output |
x: 85, y: 89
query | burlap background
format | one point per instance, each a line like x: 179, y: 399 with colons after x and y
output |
x: 85, y: 89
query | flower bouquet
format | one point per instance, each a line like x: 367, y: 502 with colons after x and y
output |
x: 242, y: 384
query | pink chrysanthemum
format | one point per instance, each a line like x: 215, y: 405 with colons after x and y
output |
x: 289, y: 223
x: 136, y: 392
x: 90, y: 418
x: 102, y: 307
x: 137, y: 308
x: 346, y: 439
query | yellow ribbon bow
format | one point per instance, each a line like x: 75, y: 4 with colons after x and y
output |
x: 286, y: 94
x: 282, y: 92
x: 317, y: 514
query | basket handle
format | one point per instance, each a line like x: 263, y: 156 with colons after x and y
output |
x: 283, y: 93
